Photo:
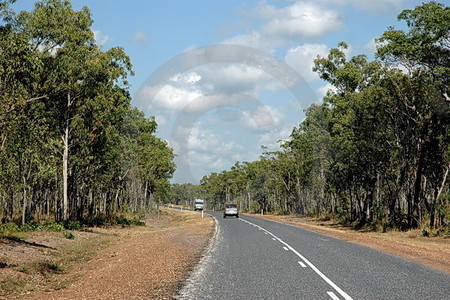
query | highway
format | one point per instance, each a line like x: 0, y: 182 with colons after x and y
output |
x: 253, y: 258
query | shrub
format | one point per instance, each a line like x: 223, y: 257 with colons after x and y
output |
x: 28, y: 227
x: 50, y: 267
x: 122, y: 220
x: 73, y: 225
x: 8, y: 227
x: 69, y: 235
x: 51, y: 227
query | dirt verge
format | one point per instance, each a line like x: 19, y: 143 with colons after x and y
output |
x: 150, y: 262
x: 430, y: 251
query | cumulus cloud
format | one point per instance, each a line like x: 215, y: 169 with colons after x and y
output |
x: 170, y: 97
x: 322, y: 91
x: 256, y: 40
x: 371, y: 46
x: 236, y: 78
x: 274, y: 138
x: 263, y: 118
x: 208, y: 87
x: 299, y: 21
x: 301, y: 58
x: 202, y: 140
x: 100, y: 38
x: 207, y: 148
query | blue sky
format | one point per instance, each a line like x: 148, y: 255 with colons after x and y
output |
x: 214, y: 72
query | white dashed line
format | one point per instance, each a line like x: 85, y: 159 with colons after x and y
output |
x: 286, y: 248
x: 302, y: 264
x: 327, y: 280
x: 333, y: 296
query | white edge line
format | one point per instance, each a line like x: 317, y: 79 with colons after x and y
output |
x: 327, y: 280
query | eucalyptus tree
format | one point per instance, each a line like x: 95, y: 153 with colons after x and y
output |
x: 424, y: 53
x: 83, y: 83
x: 146, y: 163
x: 376, y: 150
x: 22, y: 135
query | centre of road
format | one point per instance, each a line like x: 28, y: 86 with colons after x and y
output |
x: 313, y: 267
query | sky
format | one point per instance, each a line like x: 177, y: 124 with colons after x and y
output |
x: 224, y: 78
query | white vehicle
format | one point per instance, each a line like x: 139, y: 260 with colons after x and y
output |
x: 199, y: 204
x: 230, y: 210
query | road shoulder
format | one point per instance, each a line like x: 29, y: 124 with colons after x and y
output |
x: 150, y: 262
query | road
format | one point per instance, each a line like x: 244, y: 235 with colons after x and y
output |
x: 253, y: 258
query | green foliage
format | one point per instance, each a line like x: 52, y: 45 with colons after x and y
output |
x: 8, y: 227
x: 51, y: 227
x: 66, y: 123
x: 23, y: 268
x: 375, y: 153
x: 69, y: 235
x: 122, y: 220
x: 49, y: 267
x: 73, y: 225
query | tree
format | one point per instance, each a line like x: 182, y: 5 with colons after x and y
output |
x: 70, y: 142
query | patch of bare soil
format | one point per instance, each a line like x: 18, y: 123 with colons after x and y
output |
x: 150, y: 262
x: 430, y: 251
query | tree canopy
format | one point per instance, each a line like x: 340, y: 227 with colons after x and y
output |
x: 376, y: 151
x: 71, y: 144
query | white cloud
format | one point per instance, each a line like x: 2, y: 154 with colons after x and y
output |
x: 202, y: 140
x: 100, y: 38
x: 263, y: 118
x: 299, y: 21
x: 207, y: 88
x: 208, y: 149
x: 254, y: 39
x: 173, y: 98
x: 274, y: 138
x: 161, y: 120
x: 371, y: 46
x: 322, y: 91
x: 141, y: 38
x: 301, y: 58
x: 236, y: 78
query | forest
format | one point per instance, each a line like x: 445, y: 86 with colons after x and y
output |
x: 375, y: 152
x: 72, y: 147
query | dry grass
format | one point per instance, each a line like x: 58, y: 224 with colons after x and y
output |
x: 147, y: 262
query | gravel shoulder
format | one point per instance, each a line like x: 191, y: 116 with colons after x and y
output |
x: 433, y: 252
x: 153, y: 262
x: 150, y: 262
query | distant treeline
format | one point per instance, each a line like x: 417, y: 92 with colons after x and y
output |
x: 376, y: 150
x: 71, y: 145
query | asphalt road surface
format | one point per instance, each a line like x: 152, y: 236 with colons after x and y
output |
x: 252, y: 258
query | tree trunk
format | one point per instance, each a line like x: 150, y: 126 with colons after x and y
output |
x: 65, y: 173
x: 65, y: 139
x: 24, y: 204
x: 414, y: 209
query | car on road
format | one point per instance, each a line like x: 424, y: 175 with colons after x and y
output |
x: 230, y: 210
x: 199, y: 204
